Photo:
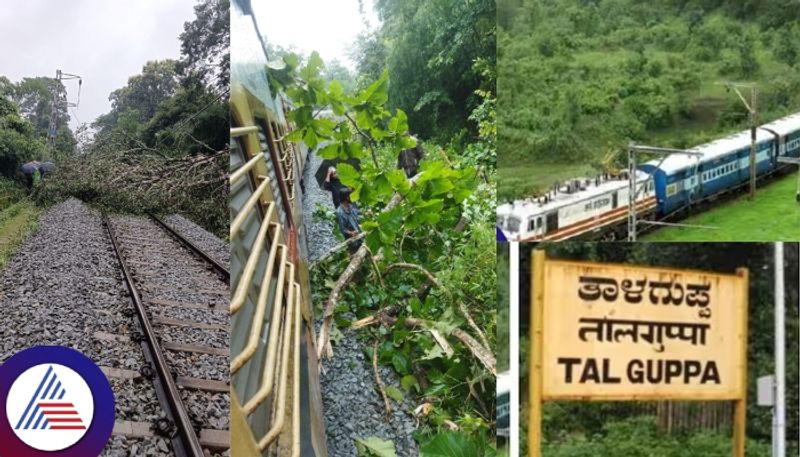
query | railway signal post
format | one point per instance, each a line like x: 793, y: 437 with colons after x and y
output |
x: 633, y: 191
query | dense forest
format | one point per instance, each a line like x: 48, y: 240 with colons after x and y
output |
x: 420, y: 290
x: 640, y: 429
x: 579, y: 79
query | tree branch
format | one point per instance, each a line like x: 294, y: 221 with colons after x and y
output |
x: 366, y: 137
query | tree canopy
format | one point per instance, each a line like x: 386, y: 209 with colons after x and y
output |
x: 430, y: 48
x: 582, y: 78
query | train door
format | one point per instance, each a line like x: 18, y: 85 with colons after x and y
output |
x: 551, y: 222
x: 614, y: 200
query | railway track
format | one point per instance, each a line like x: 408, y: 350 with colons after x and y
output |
x: 179, y: 297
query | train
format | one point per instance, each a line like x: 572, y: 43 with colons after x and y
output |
x: 276, y: 402
x: 597, y: 208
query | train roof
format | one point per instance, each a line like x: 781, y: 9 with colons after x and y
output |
x: 532, y: 206
x: 784, y: 125
x: 725, y: 145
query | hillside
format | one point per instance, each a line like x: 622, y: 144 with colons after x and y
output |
x: 579, y: 79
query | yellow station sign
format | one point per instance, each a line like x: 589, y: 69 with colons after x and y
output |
x: 611, y: 332
x: 630, y: 332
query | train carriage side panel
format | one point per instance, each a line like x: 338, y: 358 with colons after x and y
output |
x: 792, y: 142
x: 258, y: 126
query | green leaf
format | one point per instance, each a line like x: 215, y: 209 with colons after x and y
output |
x: 348, y: 175
x: 408, y: 382
x: 355, y: 150
x: 454, y: 444
x: 398, y: 180
x: 378, y: 92
x: 434, y: 352
x: 313, y: 67
x: 330, y: 151
x: 382, y: 187
x: 440, y: 186
x: 335, y: 89
x: 375, y: 447
x: 394, y: 393
x: 399, y: 123
x: 294, y: 136
x: 401, y: 363
x: 310, y: 138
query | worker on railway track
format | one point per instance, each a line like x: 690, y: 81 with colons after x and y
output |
x: 348, y: 218
x: 46, y: 168
x: 333, y: 185
x: 408, y: 160
x: 29, y: 170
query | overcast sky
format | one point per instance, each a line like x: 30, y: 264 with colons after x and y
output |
x: 105, y: 42
x: 327, y: 26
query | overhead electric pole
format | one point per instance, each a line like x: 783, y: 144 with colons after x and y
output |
x: 633, y: 191
x: 779, y: 420
x: 752, y: 110
x: 59, y: 100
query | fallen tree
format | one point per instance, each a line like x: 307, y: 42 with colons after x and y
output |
x: 140, y: 179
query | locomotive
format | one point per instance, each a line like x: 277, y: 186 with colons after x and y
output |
x: 598, y: 208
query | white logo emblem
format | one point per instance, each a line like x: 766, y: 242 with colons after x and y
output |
x: 50, y: 407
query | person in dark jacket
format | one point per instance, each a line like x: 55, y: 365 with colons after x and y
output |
x: 29, y: 170
x: 348, y: 219
x: 333, y: 185
x: 409, y: 159
x: 45, y: 168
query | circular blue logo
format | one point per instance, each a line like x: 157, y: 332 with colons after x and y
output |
x: 56, y: 403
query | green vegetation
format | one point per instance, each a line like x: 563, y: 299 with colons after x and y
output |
x: 578, y: 429
x: 579, y: 79
x: 437, y: 53
x: 426, y: 273
x: 640, y: 437
x: 16, y: 222
x: 19, y: 142
x: 18, y: 217
x: 773, y: 215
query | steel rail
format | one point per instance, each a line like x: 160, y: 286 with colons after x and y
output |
x: 188, y: 437
x: 221, y: 269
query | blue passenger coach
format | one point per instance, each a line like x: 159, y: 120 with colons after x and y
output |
x: 682, y: 180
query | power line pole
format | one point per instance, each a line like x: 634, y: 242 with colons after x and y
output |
x: 633, y: 190
x: 779, y: 422
x: 60, y: 99
x: 752, y: 110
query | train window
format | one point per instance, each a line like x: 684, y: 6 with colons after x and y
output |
x: 513, y: 224
x: 539, y: 223
x: 531, y: 224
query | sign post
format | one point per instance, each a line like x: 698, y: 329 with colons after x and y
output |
x: 535, y: 381
x: 611, y: 332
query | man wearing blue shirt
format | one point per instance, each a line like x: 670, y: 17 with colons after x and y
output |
x: 347, y: 217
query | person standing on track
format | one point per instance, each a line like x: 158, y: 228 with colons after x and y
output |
x: 348, y: 218
x: 333, y: 185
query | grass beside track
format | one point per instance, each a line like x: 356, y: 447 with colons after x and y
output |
x: 774, y: 215
x: 17, y: 221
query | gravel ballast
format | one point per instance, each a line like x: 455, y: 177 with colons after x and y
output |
x: 353, y: 406
x: 64, y: 287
